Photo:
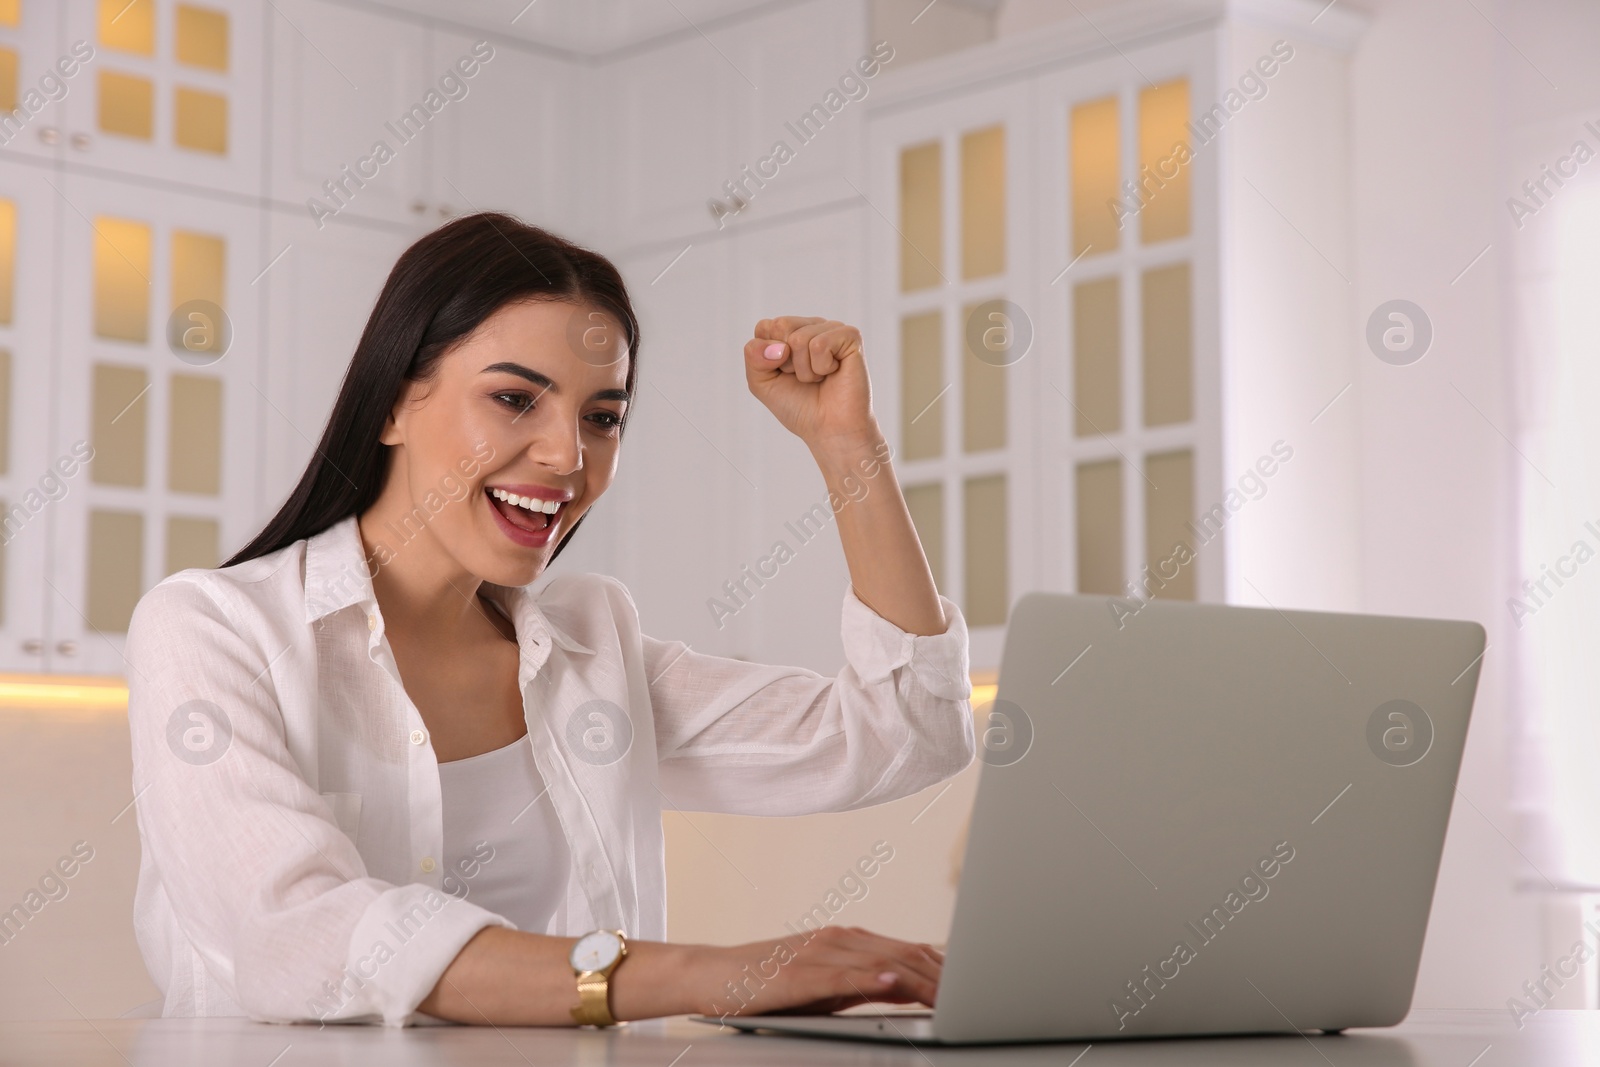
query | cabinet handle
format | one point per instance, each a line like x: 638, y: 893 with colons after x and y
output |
x: 81, y: 141
x: 418, y: 207
x: 445, y: 211
x: 67, y: 648
x: 49, y: 134
x: 33, y: 646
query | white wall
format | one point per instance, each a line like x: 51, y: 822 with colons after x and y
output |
x: 1436, y: 472
x: 1288, y: 300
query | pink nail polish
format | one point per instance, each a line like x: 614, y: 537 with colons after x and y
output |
x: 887, y: 977
x: 773, y: 351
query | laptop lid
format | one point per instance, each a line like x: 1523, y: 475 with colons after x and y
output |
x: 1198, y: 818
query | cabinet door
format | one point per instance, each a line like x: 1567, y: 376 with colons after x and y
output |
x: 30, y: 489
x: 493, y: 147
x: 173, y: 91
x: 156, y: 371
x: 788, y: 269
x: 645, y: 198
x: 319, y: 295
x: 31, y: 85
x: 1128, y: 210
x: 345, y: 137
x: 683, y: 436
x: 955, y: 304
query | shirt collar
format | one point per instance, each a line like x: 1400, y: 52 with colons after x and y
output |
x: 337, y: 578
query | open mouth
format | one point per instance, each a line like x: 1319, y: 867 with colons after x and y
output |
x: 525, y: 513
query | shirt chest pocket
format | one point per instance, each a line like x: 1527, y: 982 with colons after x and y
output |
x: 346, y: 811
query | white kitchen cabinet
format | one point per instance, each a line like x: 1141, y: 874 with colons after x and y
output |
x: 173, y: 92
x: 683, y: 463
x: 344, y: 81
x: 318, y: 297
x: 735, y: 95
x: 173, y: 481
x: 809, y: 266
x: 388, y: 119
x: 30, y: 489
x: 31, y: 45
x: 134, y: 209
x: 495, y: 149
x: 694, y: 126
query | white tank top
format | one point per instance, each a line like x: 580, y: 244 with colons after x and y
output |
x: 503, y: 845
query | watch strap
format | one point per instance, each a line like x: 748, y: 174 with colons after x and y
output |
x: 594, y: 1001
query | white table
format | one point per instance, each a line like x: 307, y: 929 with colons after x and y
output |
x: 1426, y: 1039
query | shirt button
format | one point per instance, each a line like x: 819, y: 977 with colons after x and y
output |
x: 427, y: 865
x: 372, y: 620
x: 418, y: 737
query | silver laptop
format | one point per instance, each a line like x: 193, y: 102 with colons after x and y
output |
x: 1196, y: 819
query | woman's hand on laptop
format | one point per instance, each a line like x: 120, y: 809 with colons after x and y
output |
x: 822, y: 971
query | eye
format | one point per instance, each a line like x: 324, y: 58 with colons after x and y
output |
x: 607, y: 421
x: 521, y: 403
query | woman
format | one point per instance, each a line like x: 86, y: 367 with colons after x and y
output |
x: 379, y: 778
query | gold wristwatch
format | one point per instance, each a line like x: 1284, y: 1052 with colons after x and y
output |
x: 593, y: 959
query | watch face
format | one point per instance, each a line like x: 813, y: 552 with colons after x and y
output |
x: 596, y: 951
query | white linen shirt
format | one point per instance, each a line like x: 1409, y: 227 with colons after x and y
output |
x: 288, y: 797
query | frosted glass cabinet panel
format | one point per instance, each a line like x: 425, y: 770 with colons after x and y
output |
x: 983, y: 202
x: 922, y: 385
x: 985, y: 522
x: 121, y: 278
x: 983, y: 384
x: 1097, y: 504
x: 1097, y: 357
x: 125, y: 105
x: 118, y: 426
x: 8, y: 259
x: 1094, y: 152
x: 127, y: 26
x: 1163, y: 141
x: 1168, y: 360
x: 921, y: 216
x: 1168, y: 510
x: 201, y: 37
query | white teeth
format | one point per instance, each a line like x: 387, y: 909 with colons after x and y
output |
x: 547, y: 507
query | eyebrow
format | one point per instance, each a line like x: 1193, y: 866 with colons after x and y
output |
x: 547, y: 385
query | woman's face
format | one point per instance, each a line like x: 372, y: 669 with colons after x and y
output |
x: 524, y: 411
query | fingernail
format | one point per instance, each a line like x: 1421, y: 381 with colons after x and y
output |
x: 773, y: 351
x: 887, y: 977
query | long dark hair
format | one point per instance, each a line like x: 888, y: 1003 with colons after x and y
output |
x: 439, y: 291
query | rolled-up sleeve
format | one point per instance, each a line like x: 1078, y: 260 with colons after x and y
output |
x: 267, y: 889
x: 756, y: 739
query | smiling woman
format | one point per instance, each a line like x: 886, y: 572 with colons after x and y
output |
x: 527, y: 287
x: 370, y: 693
